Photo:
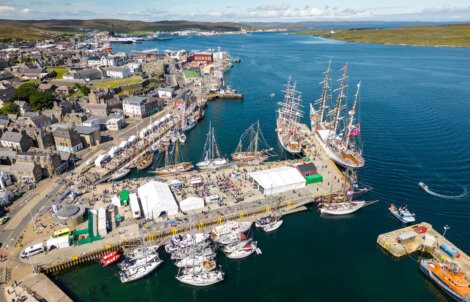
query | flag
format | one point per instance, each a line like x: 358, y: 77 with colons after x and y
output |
x: 355, y: 131
x: 344, y: 67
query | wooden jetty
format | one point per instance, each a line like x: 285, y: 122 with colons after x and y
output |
x: 422, y: 238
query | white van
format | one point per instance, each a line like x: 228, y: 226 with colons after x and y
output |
x: 211, y: 199
x: 32, y: 250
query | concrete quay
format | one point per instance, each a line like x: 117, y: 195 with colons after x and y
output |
x: 422, y: 238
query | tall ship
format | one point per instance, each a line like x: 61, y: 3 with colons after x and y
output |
x: 338, y: 133
x: 252, y: 148
x: 144, y: 161
x: 211, y: 158
x: 173, y: 161
x: 289, y: 114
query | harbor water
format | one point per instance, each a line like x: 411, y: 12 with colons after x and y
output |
x: 415, y: 104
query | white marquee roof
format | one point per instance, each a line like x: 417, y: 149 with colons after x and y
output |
x: 155, y: 198
x: 279, y: 179
x: 191, y: 203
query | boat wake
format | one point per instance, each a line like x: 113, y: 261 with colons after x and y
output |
x: 464, y: 194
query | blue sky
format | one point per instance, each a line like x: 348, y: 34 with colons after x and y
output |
x: 240, y: 10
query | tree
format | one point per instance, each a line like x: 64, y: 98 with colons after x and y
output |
x: 24, y: 91
x: 85, y: 90
x: 8, y: 108
x: 41, y: 100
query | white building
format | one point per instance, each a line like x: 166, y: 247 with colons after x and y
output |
x: 118, y: 72
x: 135, y: 206
x: 191, y: 203
x: 165, y: 93
x: 278, y: 180
x: 138, y: 106
x: 156, y: 200
x: 115, y: 123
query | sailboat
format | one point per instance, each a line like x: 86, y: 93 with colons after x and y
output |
x: 211, y: 158
x: 173, y: 163
x: 289, y: 114
x: 340, y: 145
x: 145, y: 161
x: 253, y: 153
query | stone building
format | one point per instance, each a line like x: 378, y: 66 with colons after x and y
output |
x: 67, y: 140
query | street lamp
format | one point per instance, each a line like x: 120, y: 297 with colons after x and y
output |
x: 446, y: 227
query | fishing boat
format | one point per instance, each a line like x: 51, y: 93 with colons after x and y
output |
x: 252, y: 148
x: 448, y: 277
x: 244, y: 251
x: 202, y: 279
x: 211, y: 158
x: 120, y: 174
x: 145, y: 161
x: 137, y: 272
x: 341, y: 144
x: 287, y: 122
x: 173, y: 162
x: 342, y: 208
x: 402, y: 213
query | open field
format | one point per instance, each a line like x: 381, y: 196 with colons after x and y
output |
x: 60, y: 71
x: 119, y: 82
x: 454, y: 35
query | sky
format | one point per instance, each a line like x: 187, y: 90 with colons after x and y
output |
x: 240, y: 10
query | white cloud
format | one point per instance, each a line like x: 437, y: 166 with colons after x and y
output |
x: 25, y: 11
x: 4, y: 9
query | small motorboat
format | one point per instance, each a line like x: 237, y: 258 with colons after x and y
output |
x: 110, y: 260
x: 423, y: 186
x: 272, y: 226
x: 402, y: 213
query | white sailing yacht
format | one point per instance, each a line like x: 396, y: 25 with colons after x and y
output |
x: 211, y: 154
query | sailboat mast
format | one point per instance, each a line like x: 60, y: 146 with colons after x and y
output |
x: 352, y: 112
x: 325, y: 92
x: 256, y: 137
x: 340, y: 98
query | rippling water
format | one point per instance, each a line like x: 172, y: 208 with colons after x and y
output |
x: 414, y: 115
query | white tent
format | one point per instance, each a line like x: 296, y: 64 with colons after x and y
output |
x: 116, y: 201
x: 156, y: 123
x: 278, y: 180
x: 162, y: 119
x: 100, y: 159
x: 123, y: 144
x: 114, y: 150
x: 132, y: 138
x: 156, y: 199
x: 191, y: 203
x: 134, y: 204
x: 59, y: 243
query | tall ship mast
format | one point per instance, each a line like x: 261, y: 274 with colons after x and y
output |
x: 252, y: 147
x: 211, y: 158
x: 341, y: 144
x: 289, y: 114
x: 173, y: 161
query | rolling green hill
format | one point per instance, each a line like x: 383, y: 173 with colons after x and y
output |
x: 40, y: 29
x: 455, y: 35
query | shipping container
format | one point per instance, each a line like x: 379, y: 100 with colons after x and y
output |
x: 311, y: 179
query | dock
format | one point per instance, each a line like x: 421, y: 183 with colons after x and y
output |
x: 422, y: 238
x: 231, y: 96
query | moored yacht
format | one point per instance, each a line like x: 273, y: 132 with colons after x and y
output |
x: 202, y: 279
x: 402, y: 213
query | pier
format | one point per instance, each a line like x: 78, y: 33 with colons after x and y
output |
x: 231, y: 96
x: 422, y: 238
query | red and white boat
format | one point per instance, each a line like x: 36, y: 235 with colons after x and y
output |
x: 110, y: 258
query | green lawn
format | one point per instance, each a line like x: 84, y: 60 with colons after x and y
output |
x: 119, y: 82
x: 60, y: 71
x: 191, y: 74
x: 442, y: 35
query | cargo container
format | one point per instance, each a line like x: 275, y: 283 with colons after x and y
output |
x: 449, y: 250
x: 311, y: 179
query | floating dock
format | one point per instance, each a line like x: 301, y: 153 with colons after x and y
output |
x: 422, y: 238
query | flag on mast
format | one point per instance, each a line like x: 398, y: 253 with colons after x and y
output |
x: 355, y: 131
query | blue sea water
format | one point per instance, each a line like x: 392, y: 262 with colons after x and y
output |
x: 414, y: 115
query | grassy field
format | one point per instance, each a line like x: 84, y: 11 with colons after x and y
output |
x: 119, y: 82
x: 60, y: 71
x: 190, y: 73
x: 443, y: 35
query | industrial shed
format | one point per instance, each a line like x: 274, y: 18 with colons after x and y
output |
x: 278, y: 180
x: 156, y: 199
x: 191, y: 203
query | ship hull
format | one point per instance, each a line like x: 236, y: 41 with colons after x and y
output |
x: 183, y: 167
x: 423, y: 265
x: 285, y: 147
x: 339, y: 212
x: 334, y: 157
